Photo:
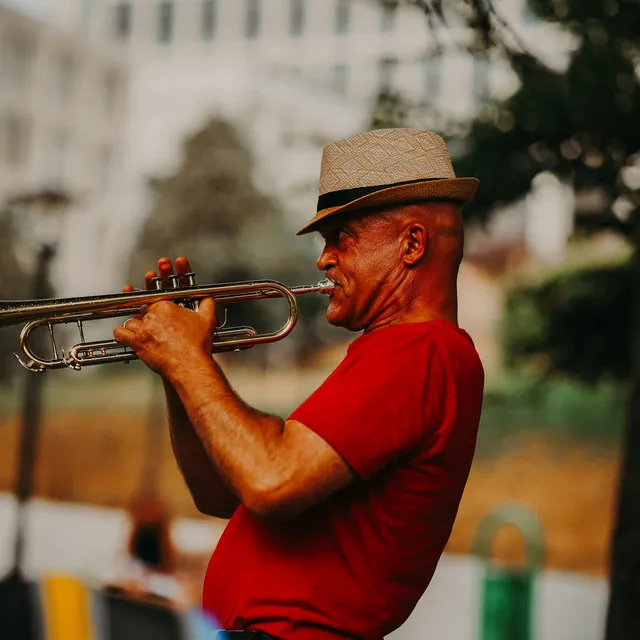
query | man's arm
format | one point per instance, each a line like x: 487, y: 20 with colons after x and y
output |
x: 210, y: 495
x: 278, y: 469
x: 209, y: 492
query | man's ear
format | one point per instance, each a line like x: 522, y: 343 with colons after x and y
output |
x: 415, y: 243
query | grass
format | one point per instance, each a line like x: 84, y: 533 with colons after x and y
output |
x: 562, y: 408
x: 535, y: 442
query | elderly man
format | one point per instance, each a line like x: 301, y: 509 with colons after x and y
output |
x: 341, y: 512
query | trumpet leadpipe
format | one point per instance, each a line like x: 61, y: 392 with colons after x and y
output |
x: 14, y: 312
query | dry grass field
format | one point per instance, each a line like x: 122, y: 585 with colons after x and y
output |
x: 92, y: 450
x: 571, y: 488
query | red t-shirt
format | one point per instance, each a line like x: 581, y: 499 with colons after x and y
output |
x: 402, y: 409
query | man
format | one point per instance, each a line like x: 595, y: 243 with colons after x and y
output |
x: 341, y: 512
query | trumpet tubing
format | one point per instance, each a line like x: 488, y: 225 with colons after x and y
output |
x: 37, y: 313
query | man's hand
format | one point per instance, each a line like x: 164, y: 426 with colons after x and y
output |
x: 168, y: 337
x: 275, y: 468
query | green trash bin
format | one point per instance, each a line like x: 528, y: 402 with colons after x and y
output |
x: 508, y: 593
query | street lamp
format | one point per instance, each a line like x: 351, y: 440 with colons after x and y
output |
x: 40, y: 215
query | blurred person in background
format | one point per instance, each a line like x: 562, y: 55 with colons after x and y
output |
x: 340, y: 513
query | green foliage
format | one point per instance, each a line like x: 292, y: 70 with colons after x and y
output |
x: 390, y: 110
x: 561, y: 408
x: 581, y: 124
x: 212, y: 212
x: 12, y: 286
x: 576, y: 323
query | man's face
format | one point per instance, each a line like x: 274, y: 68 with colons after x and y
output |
x: 360, y: 256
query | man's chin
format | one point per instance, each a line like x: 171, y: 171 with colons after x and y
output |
x: 337, y: 319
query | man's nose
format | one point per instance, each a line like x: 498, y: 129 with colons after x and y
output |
x: 326, y: 260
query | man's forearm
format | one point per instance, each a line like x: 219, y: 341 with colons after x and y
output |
x: 245, y: 445
x: 209, y: 492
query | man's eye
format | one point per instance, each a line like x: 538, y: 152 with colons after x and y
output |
x: 336, y: 236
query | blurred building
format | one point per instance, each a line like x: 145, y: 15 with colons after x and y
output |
x: 62, y: 115
x: 292, y: 75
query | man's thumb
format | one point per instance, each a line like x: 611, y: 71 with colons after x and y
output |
x: 207, y: 308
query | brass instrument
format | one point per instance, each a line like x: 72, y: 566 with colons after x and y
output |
x: 36, y: 313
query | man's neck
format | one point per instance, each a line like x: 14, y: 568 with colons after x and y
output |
x: 417, y: 313
x: 419, y: 301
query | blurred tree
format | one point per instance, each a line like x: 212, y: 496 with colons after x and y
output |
x: 212, y: 212
x: 582, y: 125
x: 207, y: 209
x: 13, y: 280
x: 390, y: 110
x: 574, y: 323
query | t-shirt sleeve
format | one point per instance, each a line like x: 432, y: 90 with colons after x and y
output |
x: 381, y: 403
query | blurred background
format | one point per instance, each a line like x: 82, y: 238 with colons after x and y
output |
x: 135, y: 129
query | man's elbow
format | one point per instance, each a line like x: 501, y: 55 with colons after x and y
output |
x: 209, y: 506
x: 272, y: 503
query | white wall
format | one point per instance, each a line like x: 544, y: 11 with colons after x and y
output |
x: 62, y: 125
x: 277, y: 88
x: 87, y: 541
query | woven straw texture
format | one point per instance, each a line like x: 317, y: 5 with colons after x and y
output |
x: 383, y: 156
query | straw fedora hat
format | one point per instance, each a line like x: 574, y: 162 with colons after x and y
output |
x: 386, y: 167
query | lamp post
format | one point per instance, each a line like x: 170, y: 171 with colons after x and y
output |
x: 42, y: 211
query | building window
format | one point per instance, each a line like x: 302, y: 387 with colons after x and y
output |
x: 387, y: 69
x: 64, y: 77
x: 57, y: 159
x: 480, y: 78
x: 15, y: 140
x: 109, y: 92
x: 252, y: 26
x: 297, y: 17
x: 339, y: 78
x: 17, y: 60
x: 389, y: 8
x: 60, y: 158
x: 432, y: 78
x: 165, y: 21
x: 208, y: 19
x: 342, y: 16
x: 123, y: 20
x: 105, y: 165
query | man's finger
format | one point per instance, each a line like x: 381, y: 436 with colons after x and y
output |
x: 165, y: 267
x: 148, y: 280
x: 124, y: 336
x: 182, y: 267
x: 207, y: 308
x: 132, y: 324
x: 126, y: 333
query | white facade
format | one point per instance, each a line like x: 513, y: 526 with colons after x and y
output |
x: 292, y: 74
x: 62, y: 111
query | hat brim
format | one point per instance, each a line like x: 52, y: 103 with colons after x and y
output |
x: 457, y: 189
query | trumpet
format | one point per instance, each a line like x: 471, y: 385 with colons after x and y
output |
x: 37, y: 313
